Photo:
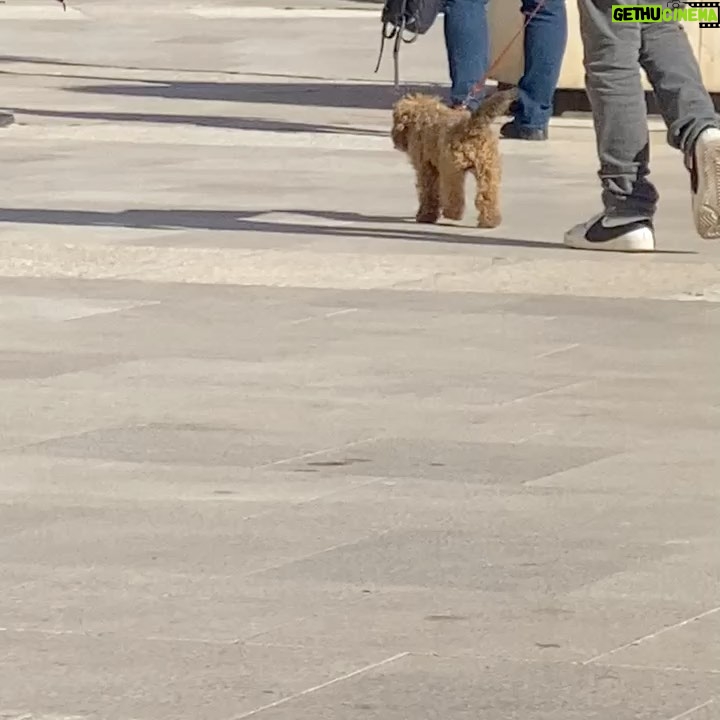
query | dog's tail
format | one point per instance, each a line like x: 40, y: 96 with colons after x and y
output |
x: 497, y: 104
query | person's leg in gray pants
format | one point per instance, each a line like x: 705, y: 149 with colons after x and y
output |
x: 614, y: 52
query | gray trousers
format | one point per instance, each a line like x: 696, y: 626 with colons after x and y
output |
x: 614, y: 53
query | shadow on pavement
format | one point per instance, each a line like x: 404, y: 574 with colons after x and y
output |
x: 242, y: 221
x: 214, y: 121
x: 308, y: 94
x: 29, y: 60
x: 335, y: 94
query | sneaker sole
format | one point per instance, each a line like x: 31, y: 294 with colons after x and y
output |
x: 641, y: 243
x: 706, y: 203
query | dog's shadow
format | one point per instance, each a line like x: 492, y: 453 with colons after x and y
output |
x: 419, y: 233
x: 337, y: 223
x: 342, y: 224
x: 359, y: 225
x: 436, y: 236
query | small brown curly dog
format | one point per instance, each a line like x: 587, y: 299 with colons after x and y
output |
x: 443, y: 144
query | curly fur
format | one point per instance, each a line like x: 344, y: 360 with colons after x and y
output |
x: 443, y: 145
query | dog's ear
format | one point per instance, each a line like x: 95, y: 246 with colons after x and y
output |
x: 400, y: 126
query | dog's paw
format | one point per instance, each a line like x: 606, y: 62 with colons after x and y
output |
x: 427, y: 217
x: 489, y: 221
x: 453, y: 213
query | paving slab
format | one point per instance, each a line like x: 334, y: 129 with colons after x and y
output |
x: 269, y: 449
x: 441, y: 687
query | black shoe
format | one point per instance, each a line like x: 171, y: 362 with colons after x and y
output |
x: 6, y: 119
x: 511, y: 131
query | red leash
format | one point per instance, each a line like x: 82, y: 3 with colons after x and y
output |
x: 480, y: 84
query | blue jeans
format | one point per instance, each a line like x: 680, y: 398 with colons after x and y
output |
x: 466, y: 40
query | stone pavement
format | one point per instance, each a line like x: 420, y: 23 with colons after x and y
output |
x: 270, y: 450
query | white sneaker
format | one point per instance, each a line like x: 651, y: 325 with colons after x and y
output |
x: 705, y: 183
x: 600, y: 234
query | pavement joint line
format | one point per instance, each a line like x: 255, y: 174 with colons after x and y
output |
x: 104, y: 635
x: 542, y: 393
x: 532, y: 435
x: 315, y: 554
x: 35, y: 443
x: 693, y: 710
x: 215, y: 642
x: 653, y: 635
x: 316, y: 498
x: 659, y: 668
x: 284, y: 646
x: 537, y: 483
x: 40, y: 631
x: 531, y: 488
x: 263, y: 12
x: 252, y: 641
x: 316, y: 453
x: 557, y: 351
x: 265, y: 466
x: 188, y: 135
x: 7, y: 715
x: 322, y: 686
x: 79, y: 70
x: 563, y: 661
x: 101, y: 635
x: 335, y: 313
x: 367, y: 140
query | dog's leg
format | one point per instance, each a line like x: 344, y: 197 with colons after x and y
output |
x: 487, y: 194
x: 452, y: 191
x: 428, y: 187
